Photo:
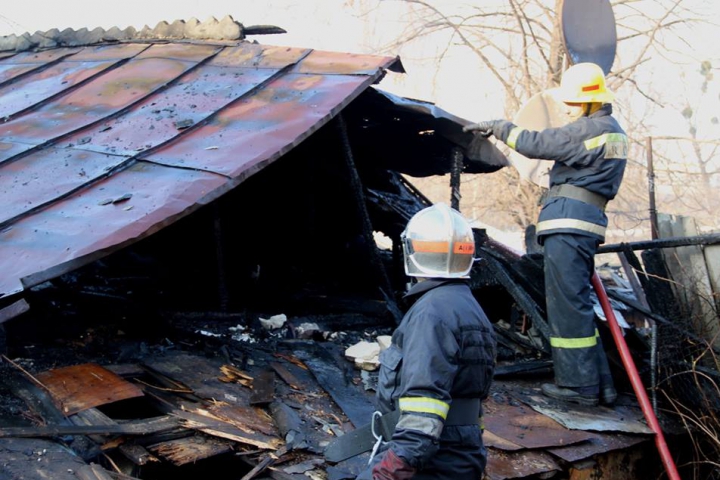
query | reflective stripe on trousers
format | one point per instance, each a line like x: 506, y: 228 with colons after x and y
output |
x: 569, y: 263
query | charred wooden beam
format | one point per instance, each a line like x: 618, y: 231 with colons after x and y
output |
x: 711, y: 239
x: 135, y: 427
x: 263, y: 388
x: 354, y: 403
x: 524, y: 301
x: 190, y: 449
x: 357, y: 189
x: 456, y: 170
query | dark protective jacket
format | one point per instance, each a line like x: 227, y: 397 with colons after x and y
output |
x: 444, y: 349
x: 590, y: 152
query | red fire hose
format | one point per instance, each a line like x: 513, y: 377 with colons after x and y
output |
x: 635, y: 379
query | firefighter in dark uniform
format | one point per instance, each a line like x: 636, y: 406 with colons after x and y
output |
x: 441, y: 361
x: 590, y: 155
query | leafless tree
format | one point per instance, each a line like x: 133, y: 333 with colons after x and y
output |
x: 519, y: 43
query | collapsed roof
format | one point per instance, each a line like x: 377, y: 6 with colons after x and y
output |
x: 105, y: 144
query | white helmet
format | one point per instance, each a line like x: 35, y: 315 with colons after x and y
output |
x: 438, y: 243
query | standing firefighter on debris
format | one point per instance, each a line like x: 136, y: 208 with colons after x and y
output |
x: 441, y: 362
x: 590, y: 154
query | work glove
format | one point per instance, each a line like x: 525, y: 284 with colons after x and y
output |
x: 483, y: 128
x: 392, y: 467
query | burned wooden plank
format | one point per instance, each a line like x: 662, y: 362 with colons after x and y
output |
x: 533, y: 367
x: 191, y: 449
x: 502, y: 465
x: 199, y: 374
x: 137, y: 454
x: 286, y: 375
x: 234, y: 374
x: 13, y: 310
x: 135, y: 427
x: 290, y: 425
x: 264, y: 464
x: 353, y: 401
x: 92, y: 416
x: 523, y: 299
x: 80, y: 387
x: 263, y: 388
x: 218, y: 428
x: 93, y: 472
x: 35, y: 397
x: 37, y: 458
x: 249, y: 418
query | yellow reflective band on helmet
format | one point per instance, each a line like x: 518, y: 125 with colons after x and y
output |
x: 583, y: 342
x: 512, y: 138
x: 424, y: 405
x: 559, y: 223
x: 616, y: 145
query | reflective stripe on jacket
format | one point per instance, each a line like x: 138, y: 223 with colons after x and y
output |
x: 590, y: 152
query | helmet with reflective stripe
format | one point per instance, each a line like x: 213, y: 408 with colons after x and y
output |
x: 438, y: 242
x: 584, y: 83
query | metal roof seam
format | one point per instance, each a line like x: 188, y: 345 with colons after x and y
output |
x: 181, y: 167
x: 118, y: 113
x: 36, y: 70
x: 187, y: 131
x: 74, y: 87
x: 41, y: 206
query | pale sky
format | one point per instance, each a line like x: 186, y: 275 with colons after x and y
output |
x: 339, y: 25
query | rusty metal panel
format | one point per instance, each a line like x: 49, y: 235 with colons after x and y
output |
x: 80, y: 387
x: 44, y: 176
x: 330, y: 63
x: 98, y: 99
x: 80, y: 228
x: 600, y: 443
x: 163, y: 116
x: 184, y: 52
x: 37, y: 87
x: 503, y: 465
x: 259, y: 56
x: 228, y: 110
x: 10, y: 149
x: 25, y: 62
x: 261, y: 127
x: 577, y: 417
x: 513, y: 421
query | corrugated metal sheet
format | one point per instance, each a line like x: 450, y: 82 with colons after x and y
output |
x: 104, y: 145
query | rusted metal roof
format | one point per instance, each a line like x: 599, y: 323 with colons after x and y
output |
x: 104, y: 145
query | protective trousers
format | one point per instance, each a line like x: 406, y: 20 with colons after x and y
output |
x: 578, y: 356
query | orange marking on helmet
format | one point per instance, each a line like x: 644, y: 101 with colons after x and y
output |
x: 466, y: 248
x: 422, y: 246
x: 591, y: 88
x: 430, y: 247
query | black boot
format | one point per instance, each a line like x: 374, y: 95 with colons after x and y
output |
x: 569, y: 394
x: 608, y: 395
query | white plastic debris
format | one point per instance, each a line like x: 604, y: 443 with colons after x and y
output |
x: 307, y: 330
x: 243, y: 337
x: 274, y: 322
x: 208, y: 334
x: 384, y: 341
x: 240, y: 335
x: 364, y: 354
